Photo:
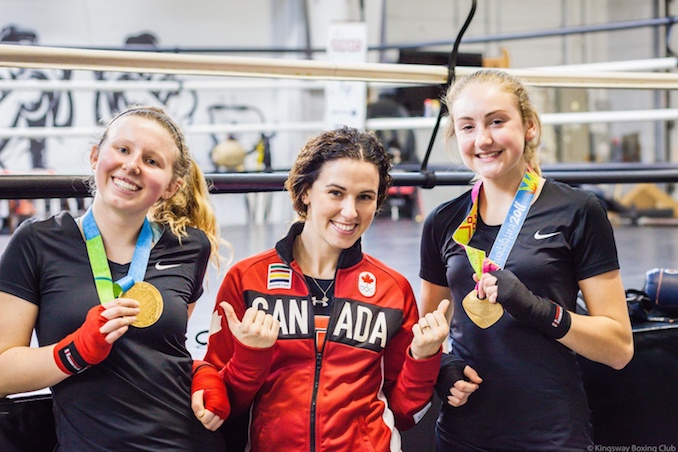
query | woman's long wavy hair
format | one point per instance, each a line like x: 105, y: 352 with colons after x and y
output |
x: 190, y: 205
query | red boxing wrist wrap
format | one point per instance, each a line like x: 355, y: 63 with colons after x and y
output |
x: 215, y: 397
x: 85, y: 347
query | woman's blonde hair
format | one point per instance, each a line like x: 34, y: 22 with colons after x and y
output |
x: 190, y: 205
x: 511, y: 85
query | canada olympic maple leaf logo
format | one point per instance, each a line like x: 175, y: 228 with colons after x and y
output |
x: 367, y: 284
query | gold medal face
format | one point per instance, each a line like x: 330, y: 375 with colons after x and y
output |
x: 150, y: 303
x: 481, y: 312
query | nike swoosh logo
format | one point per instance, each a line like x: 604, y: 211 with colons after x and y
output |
x: 539, y: 236
x: 159, y: 266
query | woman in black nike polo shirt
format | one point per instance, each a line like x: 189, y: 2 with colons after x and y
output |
x: 513, y: 253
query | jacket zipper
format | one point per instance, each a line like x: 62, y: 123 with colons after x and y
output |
x: 316, y: 384
x: 318, y: 364
x: 316, y: 379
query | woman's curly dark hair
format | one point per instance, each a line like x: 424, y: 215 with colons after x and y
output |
x: 346, y: 142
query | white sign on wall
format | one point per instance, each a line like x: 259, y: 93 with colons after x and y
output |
x: 345, y: 101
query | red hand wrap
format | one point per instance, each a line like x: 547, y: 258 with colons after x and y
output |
x: 215, y: 397
x: 84, y: 347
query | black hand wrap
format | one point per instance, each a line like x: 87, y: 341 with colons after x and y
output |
x: 451, y: 371
x: 546, y: 316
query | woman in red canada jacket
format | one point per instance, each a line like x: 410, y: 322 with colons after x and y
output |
x: 353, y: 363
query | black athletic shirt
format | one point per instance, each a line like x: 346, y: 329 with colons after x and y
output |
x: 532, y: 395
x: 139, y: 397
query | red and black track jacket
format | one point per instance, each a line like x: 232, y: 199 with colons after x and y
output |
x: 353, y: 395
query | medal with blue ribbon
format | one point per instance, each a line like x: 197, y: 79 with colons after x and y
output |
x: 131, y: 285
x: 482, y: 312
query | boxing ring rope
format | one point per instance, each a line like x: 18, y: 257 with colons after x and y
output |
x: 52, y: 186
x: 410, y: 123
x: 657, y: 22
x: 159, y: 85
x: 667, y: 22
x: 650, y: 64
x: 38, y: 186
x: 277, y: 84
x: 215, y: 65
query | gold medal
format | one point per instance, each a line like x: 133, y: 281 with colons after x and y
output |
x: 150, y: 303
x: 481, y: 312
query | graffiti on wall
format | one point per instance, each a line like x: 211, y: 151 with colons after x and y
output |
x: 32, y: 108
x: 58, y: 108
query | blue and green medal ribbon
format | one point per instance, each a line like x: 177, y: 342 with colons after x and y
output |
x: 106, y: 288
